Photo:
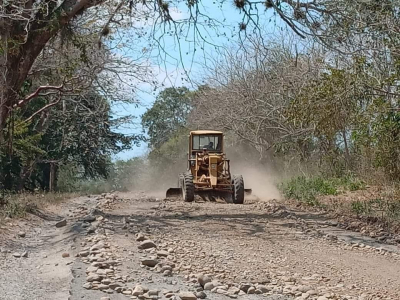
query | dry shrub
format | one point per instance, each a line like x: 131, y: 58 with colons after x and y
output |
x: 17, y: 205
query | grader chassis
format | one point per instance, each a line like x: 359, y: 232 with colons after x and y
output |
x: 208, y: 171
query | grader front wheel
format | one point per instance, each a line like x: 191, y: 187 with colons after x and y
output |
x: 238, y: 189
x: 188, y: 187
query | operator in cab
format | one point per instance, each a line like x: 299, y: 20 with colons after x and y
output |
x: 210, y: 146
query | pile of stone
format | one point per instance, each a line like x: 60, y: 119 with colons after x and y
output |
x: 102, y: 271
x: 217, y: 280
x: 202, y: 277
x: 107, y: 200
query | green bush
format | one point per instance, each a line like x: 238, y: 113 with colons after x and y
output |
x: 13, y: 209
x: 322, y: 186
x: 350, y: 182
x: 361, y: 207
x: 306, y: 189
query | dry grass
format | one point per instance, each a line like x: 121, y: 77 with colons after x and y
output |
x: 349, y: 198
x: 375, y: 204
x: 16, y: 205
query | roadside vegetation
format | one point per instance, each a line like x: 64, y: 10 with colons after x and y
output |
x: 320, y: 99
x: 347, y: 196
x: 308, y: 189
x: 18, y: 205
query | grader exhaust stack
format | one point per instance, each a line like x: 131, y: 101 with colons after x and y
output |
x: 208, y: 173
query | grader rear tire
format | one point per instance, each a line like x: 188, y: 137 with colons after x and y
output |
x: 188, y: 188
x: 238, y: 189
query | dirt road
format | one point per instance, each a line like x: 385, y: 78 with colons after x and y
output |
x: 131, y: 246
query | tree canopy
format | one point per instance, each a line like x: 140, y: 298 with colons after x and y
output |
x: 80, y: 135
x: 328, y: 93
x: 168, y: 115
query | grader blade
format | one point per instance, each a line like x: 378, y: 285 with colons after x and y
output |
x: 248, y: 191
x: 174, y: 192
x: 213, y: 195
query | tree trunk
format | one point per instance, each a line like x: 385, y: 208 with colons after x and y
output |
x: 346, y: 148
x: 3, y: 76
x: 25, y: 173
x: 19, y: 49
x: 16, y: 69
x: 52, y: 177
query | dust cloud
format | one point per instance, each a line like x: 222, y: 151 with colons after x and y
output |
x: 260, y: 179
x: 155, y: 179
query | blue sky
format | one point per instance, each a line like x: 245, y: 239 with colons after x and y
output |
x: 180, y: 57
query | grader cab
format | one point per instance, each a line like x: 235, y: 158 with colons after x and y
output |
x: 208, y: 172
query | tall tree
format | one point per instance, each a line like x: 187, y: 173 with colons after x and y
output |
x: 168, y: 115
x: 249, y: 92
x: 26, y: 27
x: 83, y: 135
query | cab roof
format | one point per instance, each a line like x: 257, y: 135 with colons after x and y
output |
x: 205, y: 132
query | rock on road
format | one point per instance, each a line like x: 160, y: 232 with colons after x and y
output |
x: 131, y: 246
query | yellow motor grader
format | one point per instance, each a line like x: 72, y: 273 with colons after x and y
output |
x: 208, y: 173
